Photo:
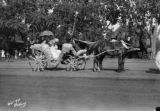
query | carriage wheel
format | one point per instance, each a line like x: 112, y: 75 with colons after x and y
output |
x: 73, y: 63
x: 81, y: 63
x: 37, y: 61
x: 70, y: 66
x: 76, y: 64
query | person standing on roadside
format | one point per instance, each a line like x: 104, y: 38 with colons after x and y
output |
x: 3, y: 54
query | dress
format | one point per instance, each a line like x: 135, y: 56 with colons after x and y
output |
x: 55, y: 52
x: 44, y: 45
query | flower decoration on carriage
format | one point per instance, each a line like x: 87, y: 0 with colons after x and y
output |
x: 42, y: 48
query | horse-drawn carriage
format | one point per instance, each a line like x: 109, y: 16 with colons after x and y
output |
x: 44, y: 56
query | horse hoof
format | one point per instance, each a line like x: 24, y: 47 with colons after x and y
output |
x: 94, y: 70
x: 37, y: 71
x: 42, y: 69
x: 98, y: 69
x: 67, y: 69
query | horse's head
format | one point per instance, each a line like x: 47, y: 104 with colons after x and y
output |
x: 96, y: 46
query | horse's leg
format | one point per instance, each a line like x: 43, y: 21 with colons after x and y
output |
x: 121, y: 59
x: 119, y: 63
x: 98, y: 64
x: 94, y: 62
x: 101, y: 61
x: 146, y: 53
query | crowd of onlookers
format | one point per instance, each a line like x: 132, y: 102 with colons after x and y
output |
x: 4, y: 54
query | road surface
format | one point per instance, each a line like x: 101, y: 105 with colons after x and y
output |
x: 136, y: 89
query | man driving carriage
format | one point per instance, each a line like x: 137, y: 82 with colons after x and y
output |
x: 68, y: 48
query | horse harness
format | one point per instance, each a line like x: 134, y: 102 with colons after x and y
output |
x: 120, y: 50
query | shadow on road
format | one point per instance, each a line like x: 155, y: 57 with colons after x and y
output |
x: 105, y: 69
x: 111, y: 69
x: 153, y: 71
x: 55, y: 69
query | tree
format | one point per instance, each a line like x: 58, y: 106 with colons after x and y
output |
x: 91, y: 20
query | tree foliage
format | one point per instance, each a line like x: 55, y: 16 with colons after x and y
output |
x: 33, y: 16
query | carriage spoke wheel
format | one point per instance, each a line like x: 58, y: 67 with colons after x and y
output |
x: 37, y: 61
x: 71, y: 64
x: 81, y: 63
x: 75, y: 64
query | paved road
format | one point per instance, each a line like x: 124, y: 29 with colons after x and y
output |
x: 136, y: 89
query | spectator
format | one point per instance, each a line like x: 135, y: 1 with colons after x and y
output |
x: 16, y: 53
x: 2, y: 53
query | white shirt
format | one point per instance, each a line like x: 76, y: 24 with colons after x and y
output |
x: 2, y: 53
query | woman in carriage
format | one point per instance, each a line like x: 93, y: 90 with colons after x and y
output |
x: 54, y: 48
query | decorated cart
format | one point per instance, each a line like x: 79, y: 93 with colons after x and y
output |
x: 43, y: 56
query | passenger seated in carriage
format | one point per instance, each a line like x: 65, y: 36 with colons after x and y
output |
x: 48, y: 46
x: 68, y: 49
x: 70, y: 45
x: 54, y: 48
x: 45, y: 44
x: 40, y: 46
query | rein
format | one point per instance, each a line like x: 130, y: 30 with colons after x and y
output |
x: 104, y: 52
x: 135, y: 49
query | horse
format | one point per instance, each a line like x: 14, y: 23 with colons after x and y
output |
x: 118, y: 48
x: 104, y: 47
